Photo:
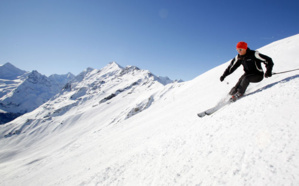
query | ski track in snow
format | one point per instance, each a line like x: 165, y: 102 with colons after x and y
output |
x: 253, y: 141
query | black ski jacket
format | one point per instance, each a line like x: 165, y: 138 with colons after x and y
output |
x: 251, y: 62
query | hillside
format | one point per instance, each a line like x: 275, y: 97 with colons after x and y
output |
x: 136, y: 130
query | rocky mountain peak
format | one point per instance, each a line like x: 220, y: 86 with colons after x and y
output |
x: 10, y: 72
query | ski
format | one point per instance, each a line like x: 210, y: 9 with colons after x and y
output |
x: 212, y: 110
x: 222, y: 103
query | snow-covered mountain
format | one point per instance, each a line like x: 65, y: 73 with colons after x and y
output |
x: 22, y: 92
x: 10, y: 72
x: 123, y: 126
x: 101, y: 88
x: 10, y: 78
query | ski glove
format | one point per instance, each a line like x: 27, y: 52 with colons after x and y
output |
x: 268, y: 74
x: 222, y: 78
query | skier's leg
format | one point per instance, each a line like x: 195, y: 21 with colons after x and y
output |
x: 234, y: 90
x: 249, y: 78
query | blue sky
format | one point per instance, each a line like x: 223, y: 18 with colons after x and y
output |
x: 180, y: 39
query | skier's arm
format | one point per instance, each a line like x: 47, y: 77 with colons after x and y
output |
x: 268, y: 62
x: 234, y: 64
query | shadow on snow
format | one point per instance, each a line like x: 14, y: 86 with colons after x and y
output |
x: 275, y: 83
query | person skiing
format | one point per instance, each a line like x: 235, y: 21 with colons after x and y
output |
x: 251, y: 61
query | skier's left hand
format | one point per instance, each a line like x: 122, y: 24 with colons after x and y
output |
x: 268, y: 74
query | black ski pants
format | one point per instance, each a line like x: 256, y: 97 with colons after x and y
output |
x: 244, y: 81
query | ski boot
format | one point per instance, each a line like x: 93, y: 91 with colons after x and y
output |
x: 235, y: 97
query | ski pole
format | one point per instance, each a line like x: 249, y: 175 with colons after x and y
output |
x: 274, y: 73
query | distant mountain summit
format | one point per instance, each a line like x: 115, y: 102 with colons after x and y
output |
x: 22, y: 92
x: 10, y: 72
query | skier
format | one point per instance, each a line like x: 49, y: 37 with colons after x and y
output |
x: 251, y: 61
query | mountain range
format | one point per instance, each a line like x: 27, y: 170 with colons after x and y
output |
x: 22, y: 92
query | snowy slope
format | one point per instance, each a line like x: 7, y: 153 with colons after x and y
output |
x: 84, y: 138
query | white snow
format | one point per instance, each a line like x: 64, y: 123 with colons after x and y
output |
x: 149, y: 134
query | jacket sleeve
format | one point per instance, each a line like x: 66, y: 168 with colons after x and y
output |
x: 266, y: 60
x: 234, y: 64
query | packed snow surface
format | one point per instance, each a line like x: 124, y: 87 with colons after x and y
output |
x: 149, y: 134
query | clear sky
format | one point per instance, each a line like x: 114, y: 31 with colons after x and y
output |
x: 180, y: 39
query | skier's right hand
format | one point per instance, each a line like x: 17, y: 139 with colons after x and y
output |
x: 222, y: 78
